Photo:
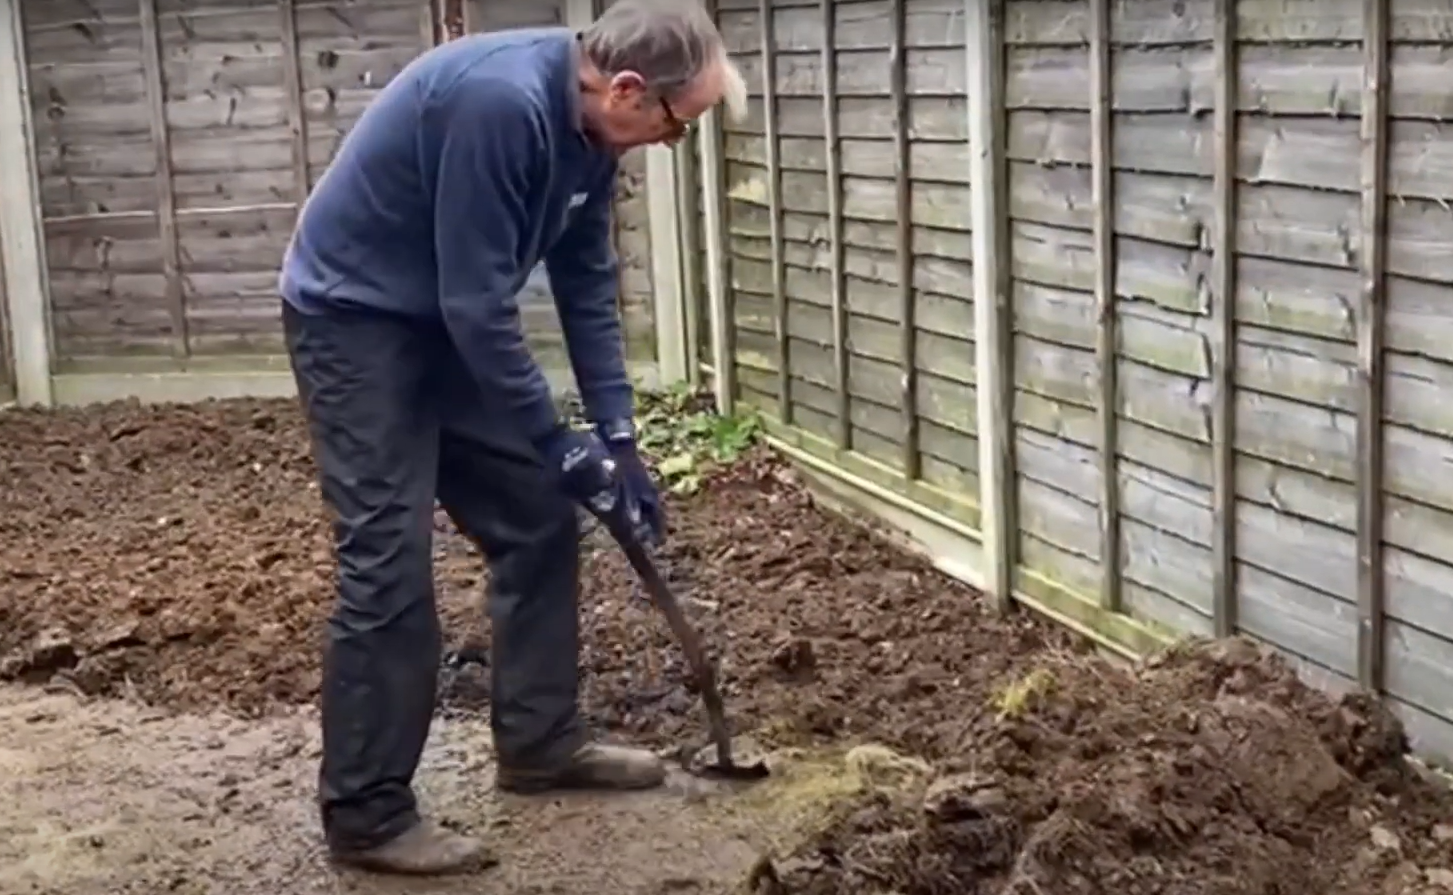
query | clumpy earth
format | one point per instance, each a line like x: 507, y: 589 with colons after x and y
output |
x: 1209, y: 771
x: 178, y: 558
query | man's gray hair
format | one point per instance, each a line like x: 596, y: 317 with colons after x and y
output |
x: 669, y: 43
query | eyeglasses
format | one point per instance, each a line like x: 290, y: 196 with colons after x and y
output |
x: 678, y: 127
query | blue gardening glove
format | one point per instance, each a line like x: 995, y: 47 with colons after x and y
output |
x: 587, y: 472
x: 639, y: 486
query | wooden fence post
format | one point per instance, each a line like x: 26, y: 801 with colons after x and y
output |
x: 688, y: 231
x: 1102, y: 160
x: 1223, y: 313
x: 1371, y: 310
x: 713, y: 177
x: 663, y: 225
x: 22, y: 248
x: 718, y: 270
x: 994, y: 336
x: 838, y: 285
x: 774, y: 212
x: 166, y: 205
x: 297, y: 111
x: 903, y: 242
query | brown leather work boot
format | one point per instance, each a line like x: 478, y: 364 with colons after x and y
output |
x: 425, y: 849
x: 593, y: 766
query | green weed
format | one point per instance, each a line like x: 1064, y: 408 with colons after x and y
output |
x: 680, y: 430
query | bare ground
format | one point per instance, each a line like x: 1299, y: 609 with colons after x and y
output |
x: 168, y: 569
x: 109, y: 796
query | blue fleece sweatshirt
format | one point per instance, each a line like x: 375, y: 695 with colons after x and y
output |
x: 468, y: 169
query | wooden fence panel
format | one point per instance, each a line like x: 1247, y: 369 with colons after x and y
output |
x: 98, y: 172
x: 1415, y: 561
x: 849, y: 231
x: 1229, y: 290
x: 748, y: 205
x: 175, y: 140
x: 1058, y: 478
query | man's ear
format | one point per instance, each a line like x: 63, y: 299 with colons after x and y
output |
x: 626, y: 85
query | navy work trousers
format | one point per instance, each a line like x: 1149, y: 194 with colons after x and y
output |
x: 395, y: 422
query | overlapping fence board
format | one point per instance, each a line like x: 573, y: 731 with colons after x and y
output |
x: 837, y: 185
x: 1230, y: 298
x: 175, y: 139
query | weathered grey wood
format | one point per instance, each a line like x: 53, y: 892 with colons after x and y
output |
x: 1223, y: 276
x: 1418, y: 669
x: 7, y: 362
x: 942, y: 256
x: 830, y: 84
x: 1154, y: 560
x: 1371, y: 617
x: 1152, y: 273
x: 867, y: 337
x: 232, y: 145
x: 864, y: 199
x: 632, y: 228
x: 908, y: 330
x: 938, y: 162
x: 938, y: 310
x: 872, y: 382
x: 1415, y: 531
x: 1179, y: 22
x: 166, y: 205
x: 293, y: 79
x: 933, y: 117
x: 1169, y: 524
x: 715, y: 183
x: 1104, y: 260
x: 862, y: 73
x: 688, y: 196
x: 62, y: 16
x: 1277, y: 80
x: 993, y: 311
x: 767, y: 49
x: 941, y: 400
x: 1173, y: 403
x: 943, y: 448
x: 229, y: 266
x: 492, y: 15
x: 860, y: 26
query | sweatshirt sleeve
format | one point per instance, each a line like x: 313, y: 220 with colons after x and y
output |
x: 583, y: 276
x: 493, y: 136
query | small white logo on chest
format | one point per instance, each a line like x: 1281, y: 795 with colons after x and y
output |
x: 578, y: 200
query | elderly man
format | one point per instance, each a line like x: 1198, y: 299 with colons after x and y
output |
x: 484, y: 157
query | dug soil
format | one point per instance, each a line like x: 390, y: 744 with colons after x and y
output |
x: 180, y: 557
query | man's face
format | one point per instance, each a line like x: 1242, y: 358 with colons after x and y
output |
x: 634, y: 116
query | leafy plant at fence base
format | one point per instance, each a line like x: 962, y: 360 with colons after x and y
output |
x: 682, y: 432
x: 682, y: 435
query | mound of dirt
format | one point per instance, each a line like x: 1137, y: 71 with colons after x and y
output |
x: 1211, y: 771
x: 175, y: 553
x: 181, y: 555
